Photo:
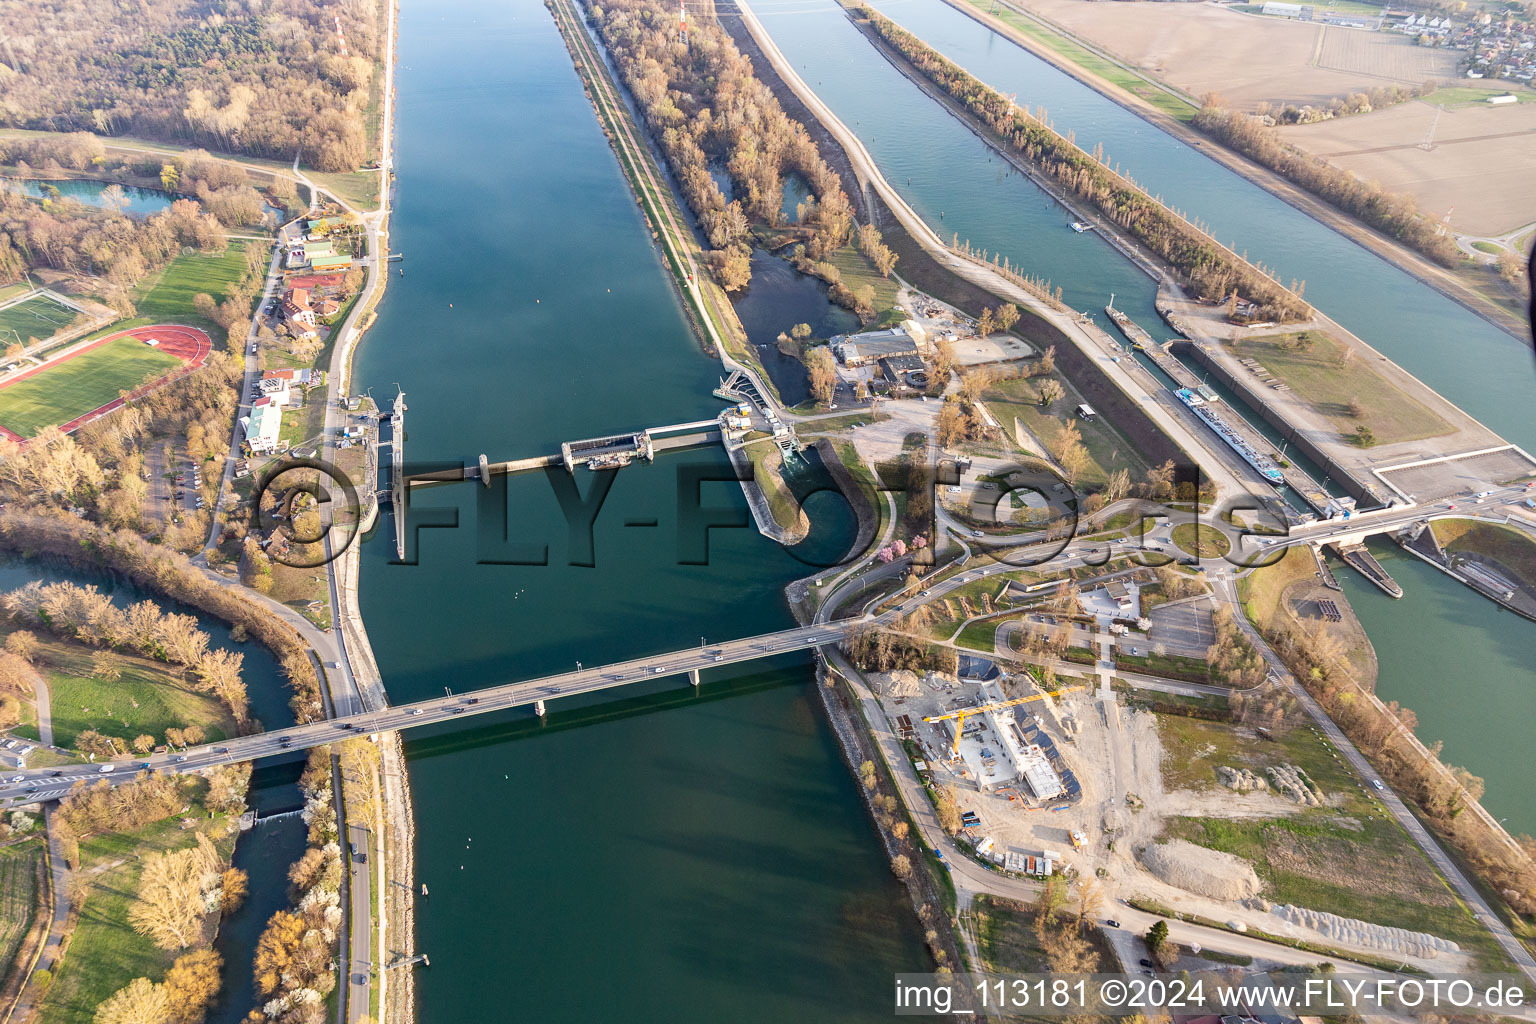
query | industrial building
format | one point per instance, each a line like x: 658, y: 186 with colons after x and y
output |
x: 873, y: 346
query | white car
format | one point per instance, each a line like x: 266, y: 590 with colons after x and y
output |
x: 415, y: 711
x: 1377, y: 784
x: 18, y: 778
x: 106, y: 769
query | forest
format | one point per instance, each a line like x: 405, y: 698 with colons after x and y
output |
x: 267, y: 78
x: 707, y: 110
x: 1391, y: 213
x: 1211, y: 271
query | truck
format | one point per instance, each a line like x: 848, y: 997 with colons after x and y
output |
x: 1079, y: 840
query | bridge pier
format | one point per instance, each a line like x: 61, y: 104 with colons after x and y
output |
x: 693, y: 677
x: 538, y: 708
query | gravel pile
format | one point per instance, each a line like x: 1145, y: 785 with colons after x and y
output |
x: 1363, y: 933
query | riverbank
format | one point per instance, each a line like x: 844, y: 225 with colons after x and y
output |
x: 1410, y: 261
x: 932, y: 265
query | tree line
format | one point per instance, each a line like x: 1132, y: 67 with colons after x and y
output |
x: 267, y: 79
x: 105, y: 244
x: 1384, y: 733
x: 86, y: 615
x: 705, y: 108
x: 1392, y: 213
x: 294, y: 969
x: 1210, y: 270
x: 169, y: 573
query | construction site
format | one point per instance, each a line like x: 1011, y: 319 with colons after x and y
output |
x: 1115, y: 784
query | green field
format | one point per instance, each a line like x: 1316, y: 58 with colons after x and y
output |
x: 169, y: 296
x: 1455, y: 97
x: 106, y: 953
x: 1200, y: 540
x: 149, y: 697
x: 19, y: 884
x: 1107, y: 450
x: 78, y: 385
x: 1316, y: 367
x: 38, y: 318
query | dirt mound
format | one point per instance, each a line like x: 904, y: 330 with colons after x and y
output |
x: 1204, y: 872
x: 901, y: 683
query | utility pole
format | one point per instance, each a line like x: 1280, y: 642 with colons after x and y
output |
x: 1429, y: 136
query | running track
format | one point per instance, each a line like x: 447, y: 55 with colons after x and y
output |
x: 188, y: 344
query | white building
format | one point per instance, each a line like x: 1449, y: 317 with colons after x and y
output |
x: 263, y: 425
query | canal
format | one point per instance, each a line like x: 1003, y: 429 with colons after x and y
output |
x: 961, y: 187
x: 652, y: 855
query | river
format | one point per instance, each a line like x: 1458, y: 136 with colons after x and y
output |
x: 651, y: 854
x: 1426, y: 643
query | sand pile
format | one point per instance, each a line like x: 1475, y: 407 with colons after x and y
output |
x: 1203, y: 872
x: 1363, y: 933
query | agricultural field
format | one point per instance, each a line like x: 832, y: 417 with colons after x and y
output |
x: 1315, y: 367
x: 21, y: 866
x: 1478, y: 167
x: 37, y: 318
x: 79, y: 385
x: 1248, y: 59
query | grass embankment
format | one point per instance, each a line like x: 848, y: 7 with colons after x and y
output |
x: 1348, y: 857
x: 1509, y: 547
x: 1200, y: 540
x: 21, y: 882
x: 80, y: 384
x: 767, y: 459
x: 1322, y: 373
x: 105, y: 953
x: 1261, y: 591
x: 1074, y: 53
x: 1107, y: 450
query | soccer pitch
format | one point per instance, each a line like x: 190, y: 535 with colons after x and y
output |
x: 38, y: 317
x: 79, y: 385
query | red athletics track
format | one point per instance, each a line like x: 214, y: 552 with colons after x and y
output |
x: 188, y: 344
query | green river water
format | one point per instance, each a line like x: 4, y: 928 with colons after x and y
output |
x: 657, y: 855
x: 653, y: 855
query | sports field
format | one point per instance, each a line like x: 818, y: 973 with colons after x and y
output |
x: 37, y: 318
x: 73, y: 389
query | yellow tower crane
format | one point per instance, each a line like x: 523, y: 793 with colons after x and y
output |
x: 963, y: 713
